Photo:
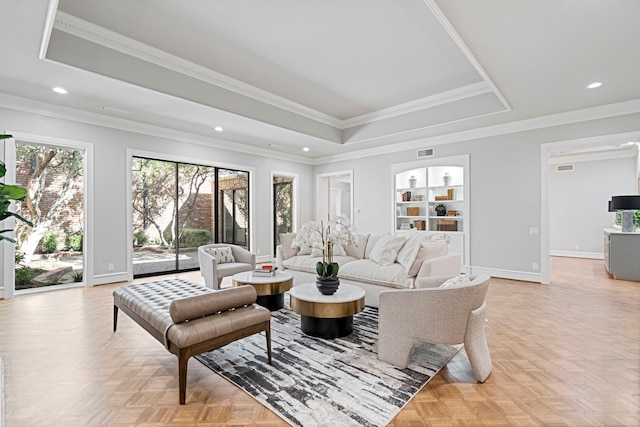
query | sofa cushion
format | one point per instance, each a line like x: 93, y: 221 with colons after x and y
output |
x: 386, y: 249
x: 222, y: 254
x: 366, y: 270
x: 357, y: 249
x: 371, y: 243
x: 307, y: 263
x: 338, y: 250
x: 288, y: 249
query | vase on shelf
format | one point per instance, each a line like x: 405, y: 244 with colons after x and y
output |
x: 327, y: 285
x: 446, y: 178
x: 412, y: 181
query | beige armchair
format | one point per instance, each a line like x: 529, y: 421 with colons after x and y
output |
x: 453, y: 315
x: 214, y: 265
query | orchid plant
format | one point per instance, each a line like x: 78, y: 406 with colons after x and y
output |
x: 324, y: 236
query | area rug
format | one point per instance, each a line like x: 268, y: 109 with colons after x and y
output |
x: 316, y: 382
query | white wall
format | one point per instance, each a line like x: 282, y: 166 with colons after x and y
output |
x: 578, y: 204
x: 505, y: 186
x: 505, y: 191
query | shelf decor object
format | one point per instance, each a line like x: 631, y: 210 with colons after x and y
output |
x: 626, y: 204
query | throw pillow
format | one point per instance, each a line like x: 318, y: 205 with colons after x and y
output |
x: 456, y: 282
x: 315, y: 252
x: 357, y: 250
x: 386, y: 249
x: 338, y: 250
x: 222, y: 254
x: 304, y: 249
x: 409, y: 251
x: 428, y: 249
x: 288, y: 250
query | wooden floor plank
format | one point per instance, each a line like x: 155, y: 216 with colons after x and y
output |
x: 565, y: 354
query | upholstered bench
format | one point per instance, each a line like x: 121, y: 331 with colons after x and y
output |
x: 189, y: 318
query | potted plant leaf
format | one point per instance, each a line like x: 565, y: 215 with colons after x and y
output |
x: 441, y: 209
x: 7, y: 194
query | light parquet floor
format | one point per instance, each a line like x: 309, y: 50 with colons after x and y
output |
x: 567, y: 354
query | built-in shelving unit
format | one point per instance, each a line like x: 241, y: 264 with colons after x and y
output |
x: 420, y: 187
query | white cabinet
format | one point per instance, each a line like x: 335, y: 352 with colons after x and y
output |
x: 621, y: 254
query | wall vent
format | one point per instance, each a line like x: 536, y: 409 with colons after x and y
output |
x: 425, y: 152
x: 564, y: 168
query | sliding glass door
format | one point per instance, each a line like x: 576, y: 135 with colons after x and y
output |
x: 175, y: 211
x: 233, y: 207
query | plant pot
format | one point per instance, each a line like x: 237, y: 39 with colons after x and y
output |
x: 327, y: 285
x: 441, y: 213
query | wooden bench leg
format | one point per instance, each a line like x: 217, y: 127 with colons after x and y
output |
x: 115, y: 317
x: 183, y: 361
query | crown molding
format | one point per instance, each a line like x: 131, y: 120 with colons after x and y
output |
x: 431, y: 4
x: 90, y: 118
x: 99, y: 35
x: 420, y: 104
x: 95, y: 34
x: 559, y: 119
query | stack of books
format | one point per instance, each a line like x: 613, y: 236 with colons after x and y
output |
x: 265, y: 271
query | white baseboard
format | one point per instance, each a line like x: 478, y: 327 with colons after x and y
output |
x: 103, y: 279
x: 573, y: 254
x: 508, y: 274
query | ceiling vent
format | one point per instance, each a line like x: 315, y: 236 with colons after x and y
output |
x: 425, y: 152
x: 564, y: 168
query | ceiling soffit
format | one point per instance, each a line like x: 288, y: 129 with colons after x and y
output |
x: 90, y: 47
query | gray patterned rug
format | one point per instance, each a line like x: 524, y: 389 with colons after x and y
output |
x: 316, y: 382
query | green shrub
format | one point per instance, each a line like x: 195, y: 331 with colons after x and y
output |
x: 140, y: 238
x: 77, y: 276
x: 192, y: 238
x: 18, y: 255
x: 24, y: 275
x: 50, y: 244
x: 73, y: 242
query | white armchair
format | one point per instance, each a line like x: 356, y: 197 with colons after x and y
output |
x: 453, y: 315
x: 215, y: 269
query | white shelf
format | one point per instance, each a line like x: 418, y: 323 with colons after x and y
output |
x: 456, y: 218
x: 411, y: 202
x: 444, y: 186
x: 411, y: 216
x: 411, y: 189
x: 445, y: 201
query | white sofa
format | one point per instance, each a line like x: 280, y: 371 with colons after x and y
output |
x: 375, y: 263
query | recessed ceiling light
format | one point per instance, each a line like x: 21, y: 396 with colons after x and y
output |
x: 59, y: 89
x: 594, y: 85
x: 218, y: 128
x: 305, y: 149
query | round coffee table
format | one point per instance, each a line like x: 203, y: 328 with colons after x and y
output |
x: 327, y: 316
x: 270, y: 289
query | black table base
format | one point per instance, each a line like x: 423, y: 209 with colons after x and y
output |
x: 327, y: 328
x: 272, y: 302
